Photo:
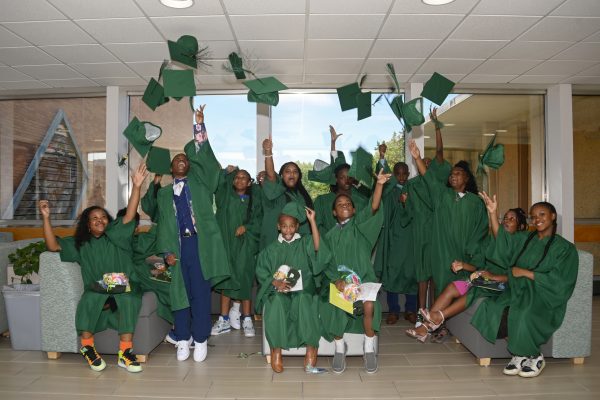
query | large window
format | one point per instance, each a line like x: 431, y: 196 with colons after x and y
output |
x: 517, y: 122
x: 51, y: 149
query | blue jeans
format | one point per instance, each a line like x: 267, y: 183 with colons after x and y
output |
x: 394, y: 305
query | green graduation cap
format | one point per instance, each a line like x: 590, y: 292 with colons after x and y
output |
x: 411, y: 112
x: 154, y: 95
x: 437, y: 88
x: 322, y: 173
x: 271, y: 99
x: 264, y: 90
x: 141, y: 135
x: 363, y: 103
x: 179, y: 83
x: 347, y: 96
x: 296, y: 210
x: 184, y: 50
x: 237, y: 66
x: 362, y: 167
x: 493, y: 156
x: 159, y: 161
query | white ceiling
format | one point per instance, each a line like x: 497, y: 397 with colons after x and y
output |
x: 49, y: 44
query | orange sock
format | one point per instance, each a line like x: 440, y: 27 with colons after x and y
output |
x: 87, y: 342
x: 125, y: 345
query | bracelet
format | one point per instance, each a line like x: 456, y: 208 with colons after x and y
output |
x: 268, y: 155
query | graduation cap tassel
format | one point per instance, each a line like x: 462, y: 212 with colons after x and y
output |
x: 392, y: 72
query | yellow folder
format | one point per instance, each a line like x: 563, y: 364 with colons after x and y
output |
x: 337, y: 299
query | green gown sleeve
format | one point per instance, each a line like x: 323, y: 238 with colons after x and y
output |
x: 224, y: 186
x: 264, y: 276
x: 369, y: 224
x: 149, y: 203
x: 68, y: 252
x: 436, y: 188
x: 475, y: 246
x: 556, y: 281
x: 440, y: 171
x: 253, y: 226
x: 121, y: 235
x: 204, y: 166
x: 273, y: 189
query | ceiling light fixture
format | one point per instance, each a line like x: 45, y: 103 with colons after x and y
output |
x: 437, y: 2
x: 449, y: 124
x: 489, y: 134
x: 427, y: 137
x: 501, y: 131
x: 178, y: 3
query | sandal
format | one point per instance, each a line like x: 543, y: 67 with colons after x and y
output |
x: 441, y: 336
x: 432, y: 325
x: 414, y: 334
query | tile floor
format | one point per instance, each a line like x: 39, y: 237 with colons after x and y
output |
x: 406, y: 370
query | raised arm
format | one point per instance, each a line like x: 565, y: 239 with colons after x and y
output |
x: 416, y: 155
x: 51, y: 242
x: 491, y: 204
x: 382, y: 178
x: 267, y: 146
x: 310, y: 215
x: 134, y: 200
x: 334, y: 137
x: 439, y: 144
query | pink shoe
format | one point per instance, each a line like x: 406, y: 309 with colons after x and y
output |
x: 432, y: 325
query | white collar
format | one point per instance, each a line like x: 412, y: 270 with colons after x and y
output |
x: 281, y: 239
x: 344, y: 222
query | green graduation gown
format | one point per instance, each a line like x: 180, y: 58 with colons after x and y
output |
x: 111, y: 252
x: 149, y: 204
x: 203, y: 178
x: 536, y: 307
x: 459, y: 228
x: 420, y: 208
x: 241, y: 250
x: 290, y: 319
x: 275, y: 197
x: 351, y: 245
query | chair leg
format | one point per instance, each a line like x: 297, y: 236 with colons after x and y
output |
x: 484, y: 362
x: 578, y: 360
x: 6, y: 334
x: 268, y: 358
x: 54, y: 355
x: 456, y: 340
x: 141, y: 357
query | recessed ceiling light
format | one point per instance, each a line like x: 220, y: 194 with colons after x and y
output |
x: 427, y: 137
x: 437, y: 2
x: 489, y: 134
x: 501, y: 130
x: 178, y: 3
x: 449, y: 124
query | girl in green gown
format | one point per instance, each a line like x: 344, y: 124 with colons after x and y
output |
x: 291, y: 318
x: 239, y: 214
x: 102, y: 246
x: 457, y: 296
x: 540, y: 282
x: 278, y: 190
x: 351, y: 243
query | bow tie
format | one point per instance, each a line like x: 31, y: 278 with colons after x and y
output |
x: 177, y: 180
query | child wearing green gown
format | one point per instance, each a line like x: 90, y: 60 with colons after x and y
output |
x: 351, y: 243
x: 239, y: 214
x: 103, y: 247
x: 291, y: 318
x: 540, y: 282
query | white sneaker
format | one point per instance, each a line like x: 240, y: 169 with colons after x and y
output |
x: 200, y: 351
x: 170, y: 338
x: 248, y: 327
x: 234, y: 317
x: 220, y: 326
x: 532, y: 367
x: 183, y: 350
x: 514, y: 366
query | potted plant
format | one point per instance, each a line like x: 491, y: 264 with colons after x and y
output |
x: 25, y: 262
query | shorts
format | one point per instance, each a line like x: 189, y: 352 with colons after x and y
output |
x: 461, y: 286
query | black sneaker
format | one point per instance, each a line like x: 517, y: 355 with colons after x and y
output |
x: 532, y: 367
x: 129, y: 361
x: 514, y: 366
x: 93, y: 358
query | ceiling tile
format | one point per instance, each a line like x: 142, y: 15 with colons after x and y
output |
x: 533, y: 79
x: 11, y: 74
x: 422, y: 78
x: 329, y: 79
x: 446, y: 66
x: 556, y: 67
x: 129, y: 52
x: 400, y: 48
x: 592, y: 71
x: 581, y: 51
x: 493, y: 27
x: 153, y: 8
x: 106, y: 70
x: 25, y: 56
x: 349, y: 6
x: 468, y: 48
x: 9, y: 39
x: 121, y: 81
x: 593, y: 38
x: 219, y: 49
x: 406, y: 66
x: 505, y: 67
x: 50, y: 71
x: 22, y: 85
x: 515, y: 7
x: 245, y: 7
x: 98, y: 9
x: 344, y: 26
x: 531, y: 50
x: 272, y: 48
x: 334, y: 66
x: 31, y: 10
x: 579, y: 8
x: 418, y: 7
x: 476, y: 78
x: 213, y: 67
x: 146, y: 69
x: 385, y: 79
x: 43, y: 33
x: 70, y: 83
x: 562, y: 29
x: 203, y: 28
x: 287, y: 79
x: 265, y: 27
x: 276, y: 67
x: 121, y: 30
x: 228, y: 81
x: 412, y: 26
x: 576, y: 80
x: 85, y: 53
x: 354, y: 48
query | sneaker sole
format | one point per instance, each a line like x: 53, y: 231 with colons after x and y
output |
x: 99, y: 368
x: 532, y: 374
x: 169, y: 340
x: 511, y: 372
x: 219, y: 333
x: 134, y: 370
x: 249, y: 334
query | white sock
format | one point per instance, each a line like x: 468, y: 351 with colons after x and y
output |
x: 339, y: 345
x: 236, y: 306
x: 369, y: 344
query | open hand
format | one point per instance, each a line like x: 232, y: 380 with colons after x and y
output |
x: 382, y: 149
x: 139, y: 175
x: 433, y: 114
x: 199, y: 114
x: 491, y: 204
x: 44, y: 207
x: 334, y: 134
x: 414, y: 149
x: 310, y: 214
x: 382, y: 178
